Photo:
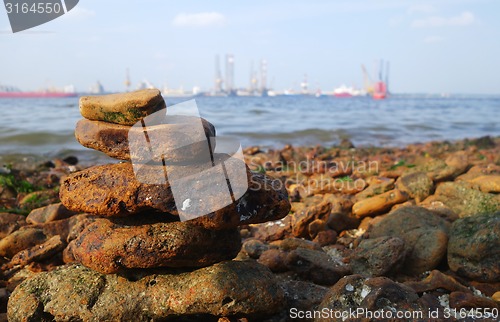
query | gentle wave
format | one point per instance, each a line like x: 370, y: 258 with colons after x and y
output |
x: 47, y: 126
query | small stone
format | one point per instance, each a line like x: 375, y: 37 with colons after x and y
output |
x: 316, y: 266
x: 39, y: 252
x: 377, y: 186
x: 326, y: 237
x: 378, y: 204
x: 10, y: 223
x: 417, y: 185
x: 178, y: 139
x: 123, y: 108
x: 4, y: 298
x: 254, y: 247
x: 49, y: 213
x: 464, y: 200
x: 289, y: 244
x: 480, y: 170
x: 436, y: 280
x: 21, y: 239
x: 496, y: 297
x: 303, y: 295
x: 355, y: 292
x: 113, y: 190
x: 424, y: 233
x: 32, y: 235
x: 487, y: 183
x: 301, y: 220
x: 274, y: 259
x: 462, y: 300
x: 473, y: 247
x: 38, y: 199
x: 76, y: 293
x: 315, y: 227
x: 456, y: 164
x: 378, y: 256
x: 110, y: 247
x: 272, y: 230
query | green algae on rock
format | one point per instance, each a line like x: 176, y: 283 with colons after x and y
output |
x: 123, y: 108
x: 224, y: 289
x: 473, y: 248
x: 464, y: 200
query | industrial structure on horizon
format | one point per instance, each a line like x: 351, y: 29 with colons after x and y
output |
x: 226, y: 86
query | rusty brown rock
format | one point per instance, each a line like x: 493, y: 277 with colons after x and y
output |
x: 436, y: 280
x: 378, y: 204
x: 49, y: 213
x: 123, y: 108
x: 326, y: 237
x: 76, y: 293
x: 302, y: 219
x: 10, y: 223
x: 21, y: 239
x: 113, y: 190
x: 109, y: 247
x: 466, y: 300
x: 179, y: 143
x: 32, y: 235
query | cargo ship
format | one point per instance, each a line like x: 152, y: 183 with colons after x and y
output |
x: 13, y: 92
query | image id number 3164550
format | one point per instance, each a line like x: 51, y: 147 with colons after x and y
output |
x: 40, y: 7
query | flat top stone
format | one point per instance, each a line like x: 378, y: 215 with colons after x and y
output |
x: 122, y: 108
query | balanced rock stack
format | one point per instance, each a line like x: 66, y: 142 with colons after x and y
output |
x: 135, y: 251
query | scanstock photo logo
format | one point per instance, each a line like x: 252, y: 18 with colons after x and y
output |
x: 26, y: 14
x: 179, y: 148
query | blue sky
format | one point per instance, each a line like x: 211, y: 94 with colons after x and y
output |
x: 447, y: 46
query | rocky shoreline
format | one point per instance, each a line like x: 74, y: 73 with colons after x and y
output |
x: 414, y: 229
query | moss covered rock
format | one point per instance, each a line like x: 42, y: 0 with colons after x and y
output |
x: 474, y: 247
x: 76, y: 293
x: 123, y: 108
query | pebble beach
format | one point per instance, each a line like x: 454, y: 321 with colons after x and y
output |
x: 410, y: 232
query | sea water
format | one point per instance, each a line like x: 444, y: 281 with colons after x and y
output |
x: 45, y: 127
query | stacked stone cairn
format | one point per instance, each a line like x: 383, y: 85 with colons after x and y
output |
x: 134, y: 259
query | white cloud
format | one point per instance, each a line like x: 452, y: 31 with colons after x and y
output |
x: 433, y: 39
x: 464, y: 19
x: 202, y: 19
x: 421, y: 8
